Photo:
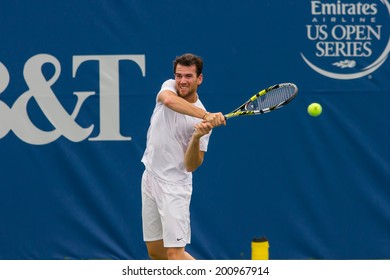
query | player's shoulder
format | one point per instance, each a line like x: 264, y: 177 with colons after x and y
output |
x: 168, y: 85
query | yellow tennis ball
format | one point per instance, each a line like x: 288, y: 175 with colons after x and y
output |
x: 314, y: 109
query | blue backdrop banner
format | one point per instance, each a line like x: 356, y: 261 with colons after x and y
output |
x: 78, y: 81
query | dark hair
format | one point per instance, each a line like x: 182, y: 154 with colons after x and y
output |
x: 189, y: 59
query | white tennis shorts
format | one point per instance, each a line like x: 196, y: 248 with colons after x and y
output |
x: 165, y: 211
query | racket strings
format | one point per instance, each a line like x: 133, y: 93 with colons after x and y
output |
x: 272, y: 98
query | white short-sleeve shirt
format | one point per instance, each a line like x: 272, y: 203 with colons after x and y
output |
x: 168, y: 137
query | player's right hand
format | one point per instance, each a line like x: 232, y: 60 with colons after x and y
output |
x: 216, y: 119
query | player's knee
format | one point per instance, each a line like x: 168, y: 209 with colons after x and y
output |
x: 175, y: 254
x: 157, y: 255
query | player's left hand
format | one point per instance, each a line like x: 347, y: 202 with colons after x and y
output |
x: 202, y: 128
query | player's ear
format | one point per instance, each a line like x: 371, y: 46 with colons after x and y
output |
x: 200, y: 79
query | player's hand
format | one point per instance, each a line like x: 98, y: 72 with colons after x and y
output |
x: 216, y: 119
x: 202, y: 129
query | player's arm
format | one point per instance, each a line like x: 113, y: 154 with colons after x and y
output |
x: 193, y: 157
x: 182, y: 106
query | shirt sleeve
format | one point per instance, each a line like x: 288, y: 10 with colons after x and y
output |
x: 168, y: 85
x: 204, y: 142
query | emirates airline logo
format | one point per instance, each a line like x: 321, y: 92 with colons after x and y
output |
x: 347, y: 39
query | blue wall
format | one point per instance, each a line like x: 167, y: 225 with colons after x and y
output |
x: 318, y: 188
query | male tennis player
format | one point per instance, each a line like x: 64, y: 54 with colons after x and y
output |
x: 177, y: 139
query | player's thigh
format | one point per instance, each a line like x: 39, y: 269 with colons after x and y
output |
x: 176, y: 217
x: 151, y: 220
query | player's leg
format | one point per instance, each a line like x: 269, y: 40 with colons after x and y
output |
x: 166, y: 218
x: 178, y: 254
x: 151, y: 220
x: 156, y: 250
x: 176, y: 221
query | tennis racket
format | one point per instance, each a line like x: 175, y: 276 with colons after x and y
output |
x: 267, y: 100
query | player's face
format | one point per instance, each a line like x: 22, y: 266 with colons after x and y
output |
x: 187, y: 82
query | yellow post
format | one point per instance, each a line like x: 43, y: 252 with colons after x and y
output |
x: 260, y: 248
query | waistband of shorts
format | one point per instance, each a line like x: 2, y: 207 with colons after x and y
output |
x: 151, y: 173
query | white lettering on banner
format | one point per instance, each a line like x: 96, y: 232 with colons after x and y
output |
x: 338, y: 8
x: 17, y: 118
x: 4, y: 109
x: 346, y: 39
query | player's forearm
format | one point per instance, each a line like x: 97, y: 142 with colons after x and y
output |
x: 181, y: 105
x: 193, y: 157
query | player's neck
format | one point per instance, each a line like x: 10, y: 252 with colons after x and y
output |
x: 192, y: 98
